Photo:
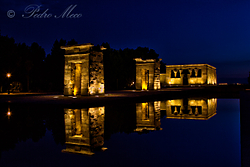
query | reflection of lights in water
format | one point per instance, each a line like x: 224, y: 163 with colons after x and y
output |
x: 9, y: 113
x: 8, y: 75
x: 77, y: 138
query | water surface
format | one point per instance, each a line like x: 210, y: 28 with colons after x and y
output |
x: 180, y: 132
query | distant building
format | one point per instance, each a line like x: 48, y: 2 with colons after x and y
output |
x: 198, y: 109
x: 190, y: 74
x: 83, y: 73
x: 147, y: 74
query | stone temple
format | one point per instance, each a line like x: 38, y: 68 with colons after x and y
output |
x: 83, y: 73
x: 147, y: 74
x: 190, y: 108
x: 190, y: 74
x: 84, y: 130
x: 148, y: 116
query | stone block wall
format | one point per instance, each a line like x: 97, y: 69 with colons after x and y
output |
x: 147, y: 74
x: 148, y: 116
x: 196, y: 74
x: 84, y: 71
x: 84, y: 130
x: 199, y: 109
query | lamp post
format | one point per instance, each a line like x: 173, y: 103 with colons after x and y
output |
x: 8, y: 76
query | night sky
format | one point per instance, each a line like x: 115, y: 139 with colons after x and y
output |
x: 216, y: 32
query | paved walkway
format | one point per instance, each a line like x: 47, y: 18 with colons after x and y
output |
x: 108, y: 97
x: 122, y: 96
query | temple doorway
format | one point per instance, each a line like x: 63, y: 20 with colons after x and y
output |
x: 185, y: 73
x: 145, y: 79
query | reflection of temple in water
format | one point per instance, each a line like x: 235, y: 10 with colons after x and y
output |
x: 199, y: 109
x: 148, y: 116
x: 84, y: 130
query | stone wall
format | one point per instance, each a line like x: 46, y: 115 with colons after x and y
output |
x: 195, y: 74
x: 84, y: 130
x: 96, y: 69
x: 148, y: 116
x: 83, y: 72
x: 147, y: 74
x: 199, y: 109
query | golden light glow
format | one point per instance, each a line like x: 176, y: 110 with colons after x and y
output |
x: 82, y: 127
x: 148, y: 116
x: 8, y: 75
x: 175, y: 81
x: 207, y: 74
x: 144, y: 79
x: 83, y: 70
x: 75, y: 91
x: 91, y: 90
x: 145, y: 115
x: 199, y: 109
x: 144, y: 86
x: 9, y: 113
x: 101, y: 88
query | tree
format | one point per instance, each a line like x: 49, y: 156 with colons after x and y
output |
x: 55, y: 66
x: 22, y: 61
x: 119, y: 65
x: 72, y: 42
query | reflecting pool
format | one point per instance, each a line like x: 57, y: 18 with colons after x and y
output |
x: 176, y: 132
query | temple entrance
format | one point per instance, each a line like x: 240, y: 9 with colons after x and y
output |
x: 83, y: 70
x: 185, y: 73
x: 145, y: 79
x: 77, y: 79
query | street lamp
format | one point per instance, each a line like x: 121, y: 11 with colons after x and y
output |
x: 8, y: 76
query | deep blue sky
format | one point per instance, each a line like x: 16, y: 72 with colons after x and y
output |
x: 216, y: 32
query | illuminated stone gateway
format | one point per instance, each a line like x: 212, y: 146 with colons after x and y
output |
x: 191, y: 74
x: 147, y: 74
x: 83, y: 73
x: 148, y: 116
x: 84, y: 130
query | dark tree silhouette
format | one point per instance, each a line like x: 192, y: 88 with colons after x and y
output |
x: 35, y: 72
x: 119, y: 65
x: 55, y: 66
x: 23, y: 62
x: 72, y: 42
